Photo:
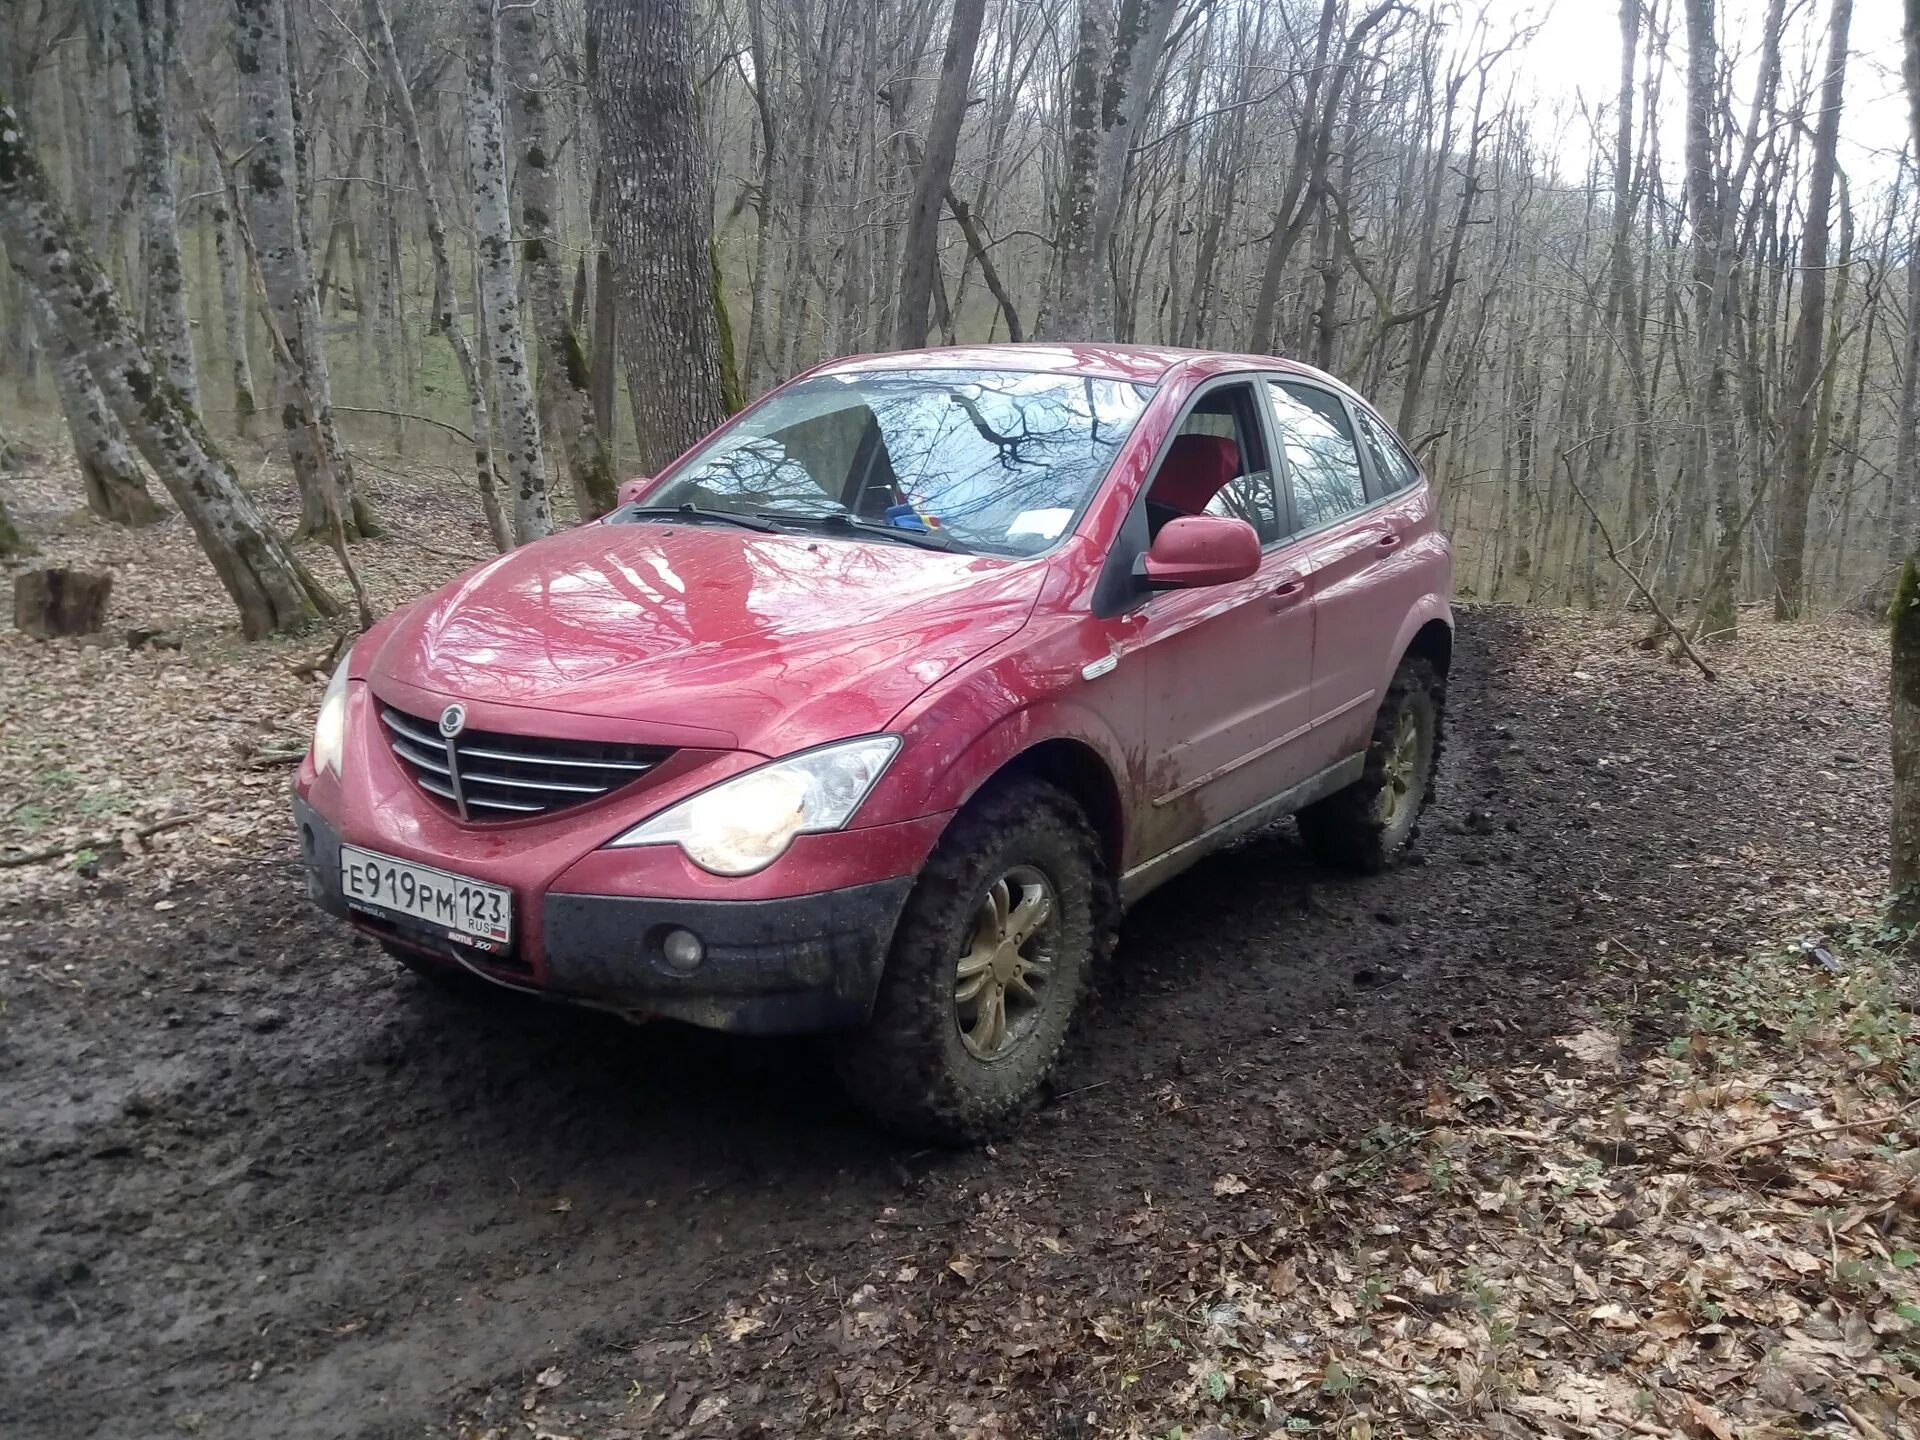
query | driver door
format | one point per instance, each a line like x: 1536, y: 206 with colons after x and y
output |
x: 1229, y: 668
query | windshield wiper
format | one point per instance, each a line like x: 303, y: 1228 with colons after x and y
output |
x: 696, y: 513
x: 840, y: 520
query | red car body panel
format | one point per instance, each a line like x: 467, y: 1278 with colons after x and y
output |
x: 732, y: 647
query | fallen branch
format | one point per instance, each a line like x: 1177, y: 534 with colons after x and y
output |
x: 324, y: 667
x: 99, y: 842
x: 1613, y: 554
x: 1815, y: 1131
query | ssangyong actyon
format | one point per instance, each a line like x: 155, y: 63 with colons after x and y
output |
x: 873, y: 712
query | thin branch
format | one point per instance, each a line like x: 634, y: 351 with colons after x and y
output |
x: 1613, y: 554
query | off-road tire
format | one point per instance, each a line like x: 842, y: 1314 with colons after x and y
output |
x: 910, y: 1067
x: 1346, y: 829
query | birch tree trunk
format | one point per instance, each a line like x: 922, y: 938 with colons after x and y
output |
x: 144, y: 32
x: 500, y: 291
x: 115, y: 488
x: 920, y: 249
x: 566, y: 375
x: 658, y: 219
x: 1803, y: 383
x: 446, y: 316
x: 272, y: 590
x: 270, y: 185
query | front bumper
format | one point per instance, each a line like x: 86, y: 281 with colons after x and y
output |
x: 777, y: 966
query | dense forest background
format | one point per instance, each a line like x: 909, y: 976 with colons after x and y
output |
x: 1654, y: 334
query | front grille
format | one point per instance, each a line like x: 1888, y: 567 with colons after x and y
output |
x: 484, y: 776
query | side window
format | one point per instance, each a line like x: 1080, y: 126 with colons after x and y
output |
x: 1390, y: 462
x: 1322, y: 465
x: 1217, y: 465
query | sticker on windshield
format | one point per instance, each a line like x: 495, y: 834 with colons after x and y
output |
x: 1047, y: 524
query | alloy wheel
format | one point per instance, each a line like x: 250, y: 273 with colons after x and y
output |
x: 1000, y: 981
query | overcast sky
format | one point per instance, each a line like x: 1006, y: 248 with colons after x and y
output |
x: 1577, y: 53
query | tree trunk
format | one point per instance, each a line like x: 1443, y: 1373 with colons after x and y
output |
x: 446, y: 315
x: 500, y: 291
x: 115, y: 488
x: 565, y: 374
x: 233, y: 300
x: 1904, y: 697
x: 272, y: 590
x: 658, y: 220
x: 270, y: 186
x: 55, y: 602
x: 920, y: 249
x: 1906, y: 434
x: 144, y: 31
x: 1803, y: 384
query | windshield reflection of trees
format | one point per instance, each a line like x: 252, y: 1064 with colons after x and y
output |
x: 973, y: 450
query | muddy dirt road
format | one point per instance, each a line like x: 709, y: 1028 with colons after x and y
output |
x: 257, y: 1181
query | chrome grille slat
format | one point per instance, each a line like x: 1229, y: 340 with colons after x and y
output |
x: 411, y: 754
x: 638, y: 767
x: 471, y: 777
x: 522, y: 775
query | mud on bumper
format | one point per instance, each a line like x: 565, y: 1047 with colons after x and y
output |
x: 786, y: 966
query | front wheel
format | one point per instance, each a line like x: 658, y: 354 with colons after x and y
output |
x: 988, y: 964
x: 1362, y: 826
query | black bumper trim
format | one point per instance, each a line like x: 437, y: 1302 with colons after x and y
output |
x: 787, y: 966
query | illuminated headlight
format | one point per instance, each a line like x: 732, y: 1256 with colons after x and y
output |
x: 746, y: 823
x: 330, y: 728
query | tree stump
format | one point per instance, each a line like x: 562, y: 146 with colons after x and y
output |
x: 54, y: 602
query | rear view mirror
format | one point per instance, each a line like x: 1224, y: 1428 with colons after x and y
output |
x: 631, y: 490
x: 1197, y: 550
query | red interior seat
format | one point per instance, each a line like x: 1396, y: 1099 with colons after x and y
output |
x: 1195, y: 470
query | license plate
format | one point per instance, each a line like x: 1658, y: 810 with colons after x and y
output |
x: 461, y: 909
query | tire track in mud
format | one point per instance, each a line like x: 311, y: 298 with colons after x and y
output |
x: 256, y: 1180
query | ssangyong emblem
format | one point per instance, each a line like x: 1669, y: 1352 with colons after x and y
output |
x: 453, y: 720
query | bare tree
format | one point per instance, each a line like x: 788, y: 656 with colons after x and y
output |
x: 110, y: 477
x: 1803, y: 396
x: 499, y: 289
x: 269, y: 176
x: 446, y: 315
x: 144, y: 31
x: 566, y: 377
x: 920, y: 249
x: 656, y: 219
x: 272, y: 590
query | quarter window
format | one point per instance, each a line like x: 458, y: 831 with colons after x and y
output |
x: 1323, y: 466
x: 1390, y: 462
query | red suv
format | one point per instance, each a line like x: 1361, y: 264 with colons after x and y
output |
x: 875, y: 709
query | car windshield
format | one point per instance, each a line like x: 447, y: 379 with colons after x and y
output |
x: 994, y: 461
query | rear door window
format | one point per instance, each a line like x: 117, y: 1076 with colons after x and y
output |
x: 1323, y: 466
x: 1391, y: 465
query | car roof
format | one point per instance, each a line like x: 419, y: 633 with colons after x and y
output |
x: 1142, y: 364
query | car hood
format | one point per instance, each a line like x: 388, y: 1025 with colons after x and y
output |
x: 767, y: 642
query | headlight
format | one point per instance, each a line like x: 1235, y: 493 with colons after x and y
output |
x: 746, y: 823
x: 330, y: 729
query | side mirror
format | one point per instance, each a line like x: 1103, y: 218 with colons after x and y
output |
x: 630, y: 490
x: 1197, y: 550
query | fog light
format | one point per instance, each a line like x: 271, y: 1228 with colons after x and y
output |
x: 683, y: 950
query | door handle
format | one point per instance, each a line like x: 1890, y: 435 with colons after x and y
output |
x: 1389, y: 541
x: 1287, y: 592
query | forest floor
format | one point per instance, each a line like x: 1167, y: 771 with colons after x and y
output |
x: 1594, y: 1117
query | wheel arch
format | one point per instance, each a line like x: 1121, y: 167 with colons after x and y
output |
x: 1083, y: 773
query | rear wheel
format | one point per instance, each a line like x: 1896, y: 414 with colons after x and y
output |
x: 1362, y: 826
x: 989, y: 961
